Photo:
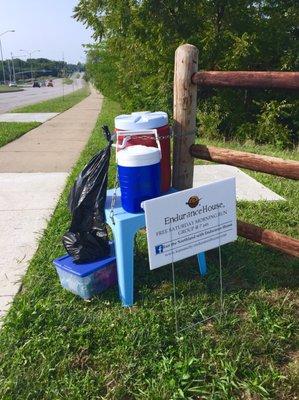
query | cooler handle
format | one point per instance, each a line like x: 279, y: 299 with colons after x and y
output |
x: 129, y: 134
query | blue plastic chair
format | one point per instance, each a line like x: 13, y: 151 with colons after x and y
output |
x: 124, y: 227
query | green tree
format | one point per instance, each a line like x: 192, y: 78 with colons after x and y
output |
x: 132, y: 60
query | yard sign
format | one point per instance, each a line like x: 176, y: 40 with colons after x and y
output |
x: 191, y: 221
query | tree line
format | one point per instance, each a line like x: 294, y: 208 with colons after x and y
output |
x: 39, y: 67
x: 132, y: 59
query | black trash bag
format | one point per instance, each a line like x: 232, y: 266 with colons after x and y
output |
x: 87, y: 239
x: 87, y: 246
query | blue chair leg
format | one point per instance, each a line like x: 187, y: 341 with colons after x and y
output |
x: 201, y: 257
x: 124, y: 248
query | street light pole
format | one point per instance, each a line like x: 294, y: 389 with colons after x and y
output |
x: 20, y: 66
x: 31, y: 66
x: 3, y: 68
x: 17, y: 66
x: 13, y: 68
x: 30, y: 58
x: 9, y: 69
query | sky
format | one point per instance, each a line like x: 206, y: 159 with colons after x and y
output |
x: 44, y: 25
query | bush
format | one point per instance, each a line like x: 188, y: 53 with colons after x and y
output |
x: 209, y: 119
x: 269, y: 127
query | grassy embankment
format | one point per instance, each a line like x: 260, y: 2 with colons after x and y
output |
x: 7, y: 89
x: 10, y: 131
x: 68, y: 81
x: 59, y: 104
x: 54, y: 345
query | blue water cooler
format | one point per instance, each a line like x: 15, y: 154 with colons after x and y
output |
x: 139, y: 173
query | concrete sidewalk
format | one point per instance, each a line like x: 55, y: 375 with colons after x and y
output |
x: 247, y: 188
x: 55, y: 145
x: 27, y: 117
x: 33, y: 171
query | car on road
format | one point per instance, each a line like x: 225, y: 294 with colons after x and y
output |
x: 12, y: 84
x: 36, y: 84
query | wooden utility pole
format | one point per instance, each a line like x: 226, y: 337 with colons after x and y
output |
x: 184, y: 115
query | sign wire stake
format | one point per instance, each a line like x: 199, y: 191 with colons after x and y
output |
x: 174, y: 288
x: 220, y: 282
x: 220, y: 272
x: 174, y: 300
x: 181, y: 233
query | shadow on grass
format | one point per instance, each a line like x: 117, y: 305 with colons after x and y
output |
x: 246, y: 267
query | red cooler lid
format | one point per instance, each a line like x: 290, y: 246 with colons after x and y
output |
x: 141, y: 120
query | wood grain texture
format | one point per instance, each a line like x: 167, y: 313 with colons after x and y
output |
x: 248, y: 79
x: 184, y: 115
x: 270, y: 165
x: 269, y: 238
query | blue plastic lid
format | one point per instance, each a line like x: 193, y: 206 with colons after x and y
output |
x: 66, y: 263
x: 141, y: 120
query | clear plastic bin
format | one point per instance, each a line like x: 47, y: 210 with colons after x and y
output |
x: 89, y: 279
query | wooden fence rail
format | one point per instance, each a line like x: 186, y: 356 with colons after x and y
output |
x: 269, y: 238
x: 186, y: 80
x: 248, y: 79
x: 255, y: 162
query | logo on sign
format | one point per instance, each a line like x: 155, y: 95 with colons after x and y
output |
x: 159, y: 249
x: 193, y: 201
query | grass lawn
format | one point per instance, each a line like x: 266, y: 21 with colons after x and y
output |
x: 7, y: 89
x: 59, y: 104
x: 68, y: 81
x: 10, y: 131
x: 55, y: 346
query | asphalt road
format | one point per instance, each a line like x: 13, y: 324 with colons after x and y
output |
x: 30, y: 95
